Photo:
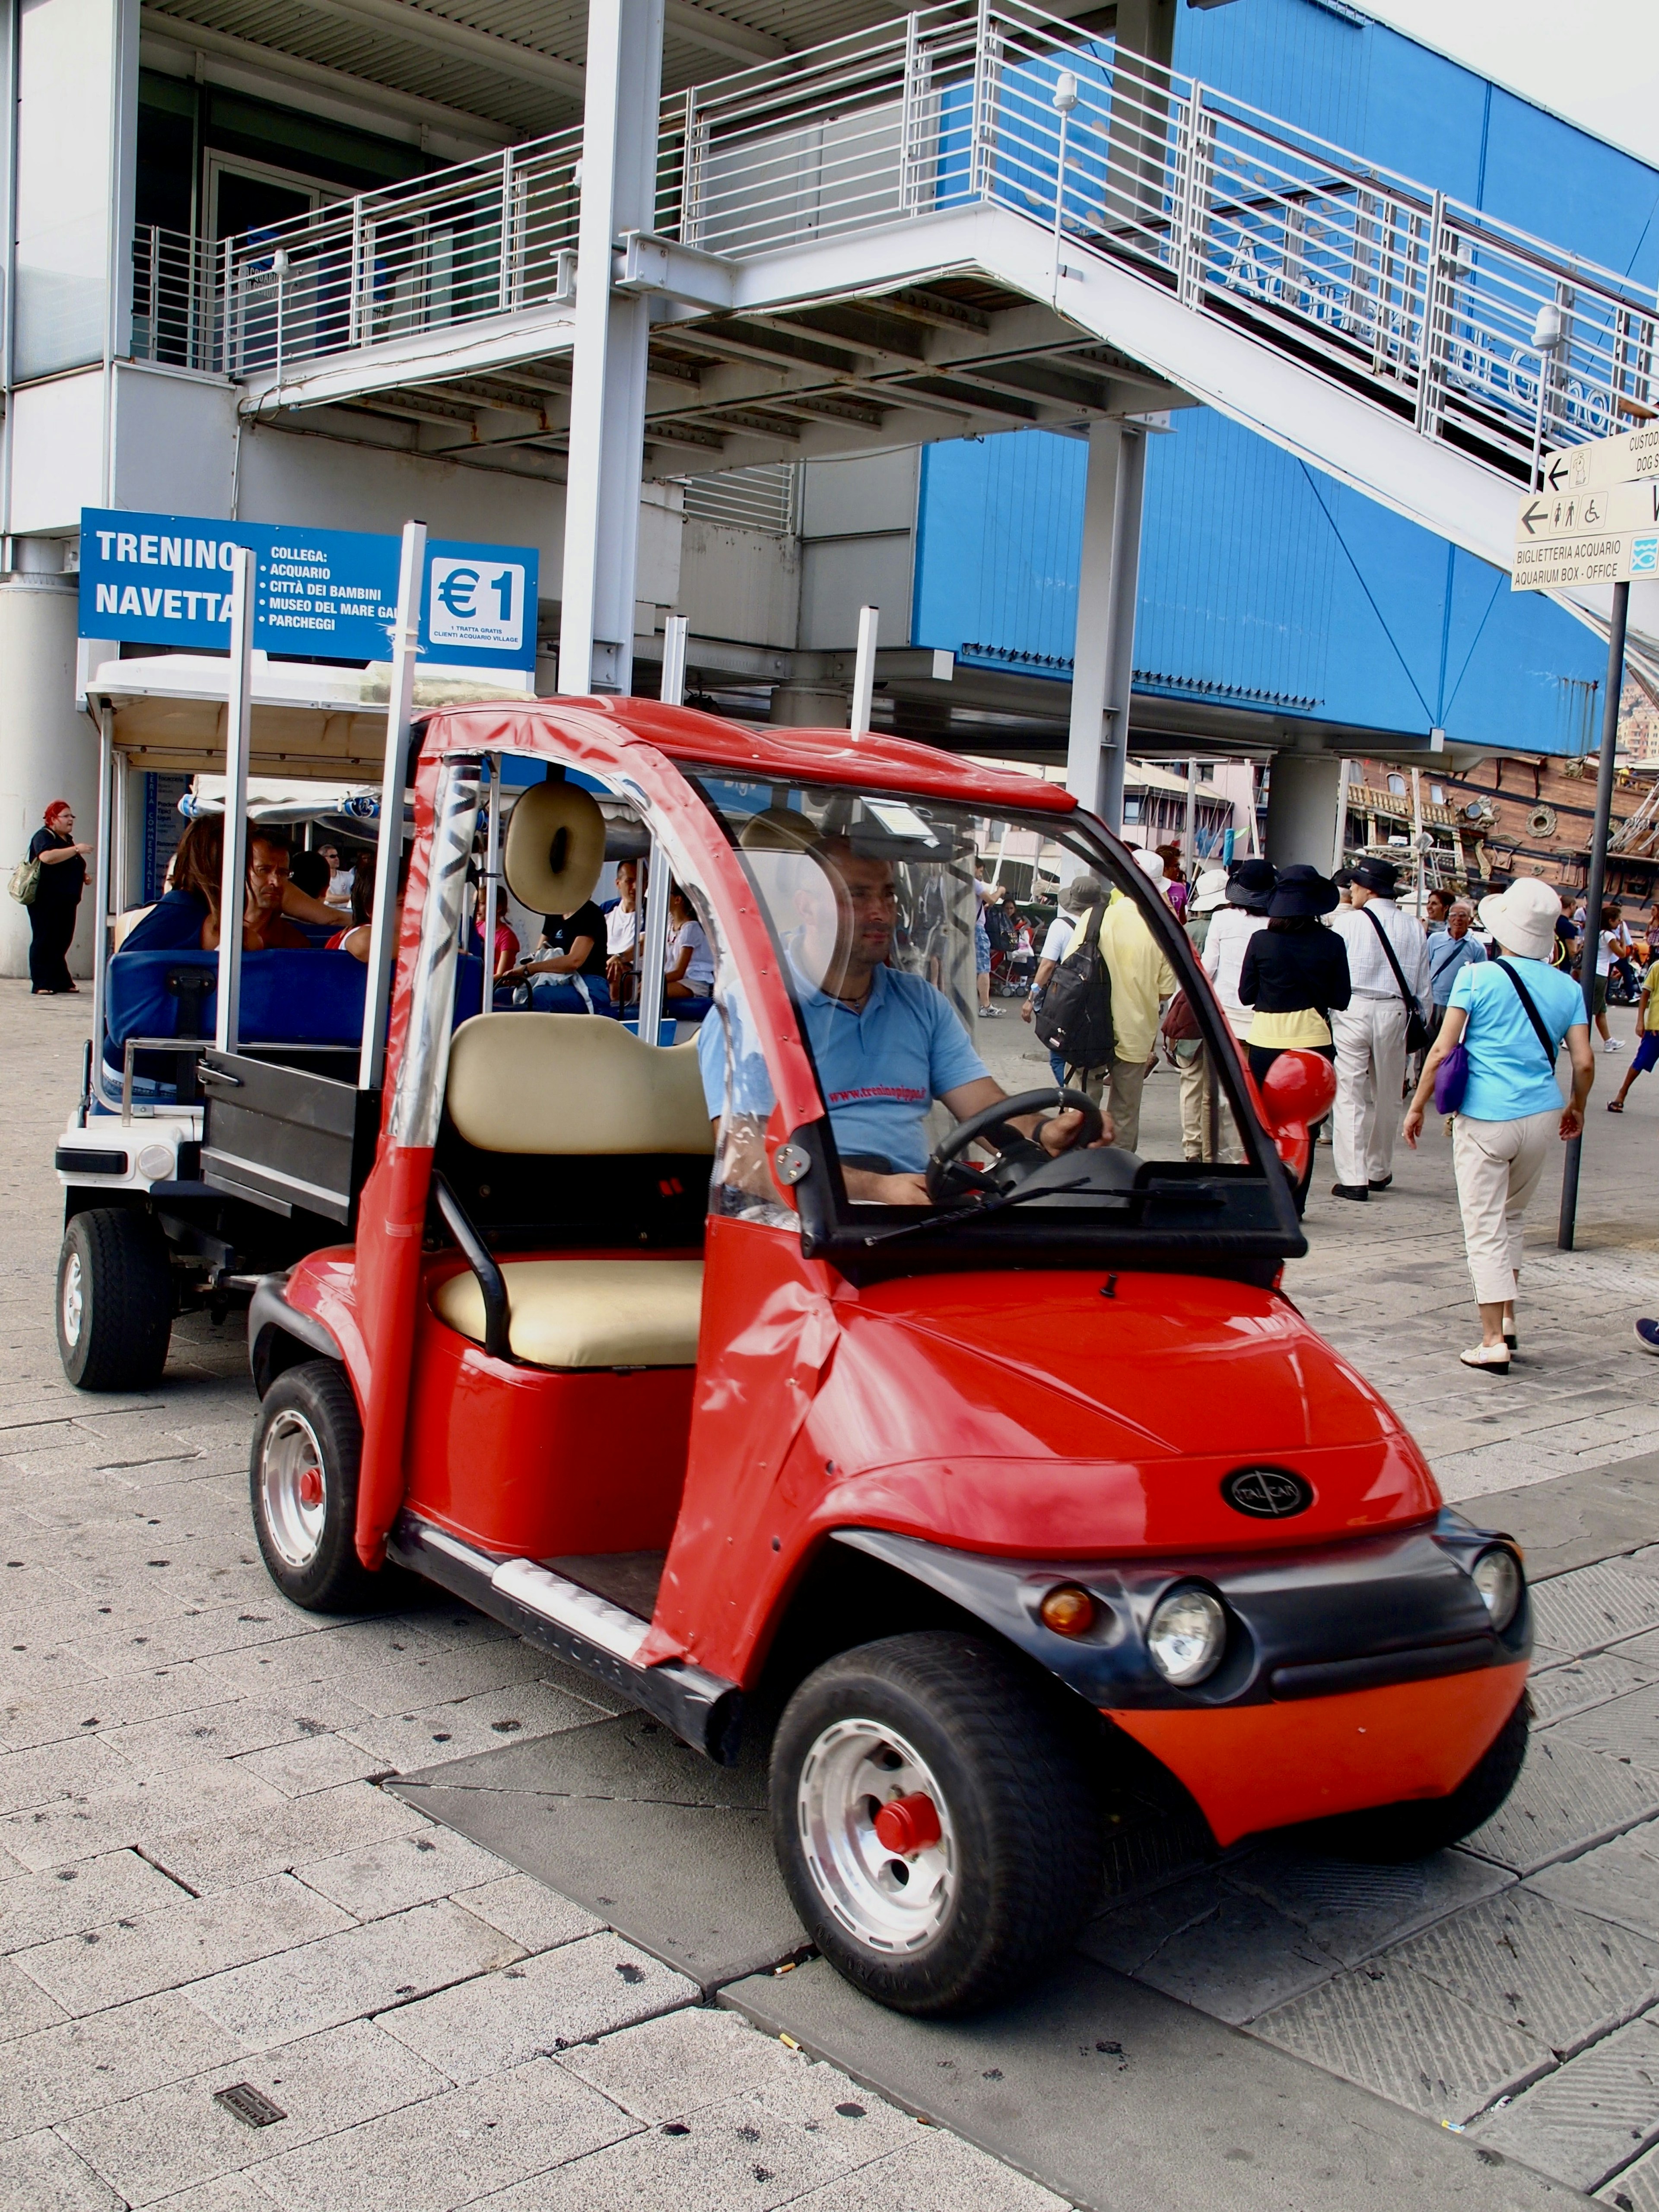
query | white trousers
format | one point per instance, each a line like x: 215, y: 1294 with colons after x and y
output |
x: 1497, y: 1165
x: 1370, y: 1038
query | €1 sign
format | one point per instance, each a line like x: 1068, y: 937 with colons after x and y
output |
x: 475, y: 602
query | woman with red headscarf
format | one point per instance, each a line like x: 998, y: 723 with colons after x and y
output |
x: 57, y: 895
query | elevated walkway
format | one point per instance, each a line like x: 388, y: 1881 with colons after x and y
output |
x: 968, y: 220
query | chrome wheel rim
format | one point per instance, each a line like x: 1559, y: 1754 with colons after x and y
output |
x: 73, y: 1300
x: 293, y: 1488
x: 893, y: 1903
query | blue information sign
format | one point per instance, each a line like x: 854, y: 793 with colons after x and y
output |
x: 319, y: 594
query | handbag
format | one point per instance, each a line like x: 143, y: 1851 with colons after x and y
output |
x: 25, y: 881
x: 1417, y: 1030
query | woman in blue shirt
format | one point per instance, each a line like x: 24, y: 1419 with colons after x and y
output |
x: 1511, y: 1106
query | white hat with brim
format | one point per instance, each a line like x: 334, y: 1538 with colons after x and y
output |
x: 1211, y: 891
x: 1522, y: 919
x: 1149, y: 862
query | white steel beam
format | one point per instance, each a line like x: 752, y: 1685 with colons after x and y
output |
x: 1103, y: 656
x: 719, y: 34
x: 612, y: 332
x: 441, y: 34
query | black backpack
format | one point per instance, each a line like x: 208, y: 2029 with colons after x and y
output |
x: 1075, y: 1018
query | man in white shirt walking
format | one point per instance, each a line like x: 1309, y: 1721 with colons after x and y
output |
x: 1369, y: 1035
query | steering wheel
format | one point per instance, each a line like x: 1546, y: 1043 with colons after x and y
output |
x: 1019, y: 1157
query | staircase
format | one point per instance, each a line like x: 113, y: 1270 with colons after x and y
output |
x: 1054, y: 228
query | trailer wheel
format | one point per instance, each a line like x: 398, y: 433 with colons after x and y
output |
x: 302, y: 1478
x: 1421, y: 1826
x: 114, y: 1300
x: 936, y: 1831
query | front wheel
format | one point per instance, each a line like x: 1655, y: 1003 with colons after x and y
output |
x: 114, y: 1300
x: 1421, y: 1826
x: 303, y: 1477
x: 935, y: 1829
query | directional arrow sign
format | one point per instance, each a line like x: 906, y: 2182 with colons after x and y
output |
x: 1605, y: 535
x: 1600, y: 462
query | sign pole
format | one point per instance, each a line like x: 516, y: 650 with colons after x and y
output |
x: 238, y: 730
x: 1598, y: 868
x: 400, y: 707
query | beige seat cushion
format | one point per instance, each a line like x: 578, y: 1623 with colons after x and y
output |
x: 588, y: 1313
x: 574, y: 1085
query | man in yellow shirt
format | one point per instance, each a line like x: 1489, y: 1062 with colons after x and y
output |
x: 1142, y: 979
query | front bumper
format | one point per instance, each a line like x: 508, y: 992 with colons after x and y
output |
x: 1355, y: 1673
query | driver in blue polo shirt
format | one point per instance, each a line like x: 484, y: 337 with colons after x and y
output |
x: 886, y: 1043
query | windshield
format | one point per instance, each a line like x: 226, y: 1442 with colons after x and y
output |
x: 928, y: 953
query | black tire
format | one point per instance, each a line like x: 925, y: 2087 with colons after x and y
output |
x: 1421, y: 1826
x: 309, y: 1546
x: 1022, y: 1858
x: 114, y: 1300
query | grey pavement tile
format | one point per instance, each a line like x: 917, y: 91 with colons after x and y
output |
x: 385, y: 1672
x: 766, y: 2146
x: 1577, y: 1686
x: 287, y: 1832
x: 300, y: 1767
x: 152, y: 2146
x: 25, y: 2007
x: 102, y: 1702
x: 230, y: 1727
x: 191, y: 1937
x: 229, y: 2192
x: 1351, y: 1909
x: 1555, y: 1974
x: 666, y: 2068
x: 364, y: 1971
x: 932, y: 2171
x: 410, y: 1741
x: 1590, y: 1607
x: 40, y: 2172
x: 1566, y: 1800
x: 1619, y: 1883
x: 1230, y: 1955
x: 539, y: 2006
x: 44, y: 1669
x: 537, y: 1918
x: 36, y: 1908
x: 451, y: 2149
x: 144, y: 1807
x: 1626, y: 1728
x: 1592, y: 2115
x: 1408, y: 2039
x: 391, y: 1875
x: 79, y: 1768
x: 1636, y: 2188
x: 53, y: 2076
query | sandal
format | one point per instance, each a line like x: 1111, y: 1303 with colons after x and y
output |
x: 1615, y: 1105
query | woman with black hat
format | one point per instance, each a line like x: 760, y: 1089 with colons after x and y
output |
x: 1294, y: 974
x: 1242, y: 913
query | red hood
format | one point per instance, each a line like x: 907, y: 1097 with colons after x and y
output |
x: 1031, y: 1412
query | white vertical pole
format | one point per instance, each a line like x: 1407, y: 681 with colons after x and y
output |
x: 654, y: 942
x: 492, y: 881
x: 400, y: 707
x: 119, y: 896
x: 1189, y: 821
x: 239, y: 729
x: 1103, y: 658
x: 672, y: 689
x: 864, y: 669
x: 1417, y: 842
x: 101, y: 864
x: 1340, y: 846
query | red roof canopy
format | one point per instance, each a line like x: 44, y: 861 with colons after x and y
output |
x: 773, y: 756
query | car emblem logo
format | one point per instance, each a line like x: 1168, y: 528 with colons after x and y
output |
x: 1267, y: 1493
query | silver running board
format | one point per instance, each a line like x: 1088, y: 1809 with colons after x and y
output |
x: 569, y: 1606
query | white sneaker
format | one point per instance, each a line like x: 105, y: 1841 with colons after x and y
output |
x: 1612, y: 1045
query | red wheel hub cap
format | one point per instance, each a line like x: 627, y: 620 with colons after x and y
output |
x: 908, y: 1825
x: 311, y: 1489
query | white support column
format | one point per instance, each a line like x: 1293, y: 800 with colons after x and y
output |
x: 607, y: 397
x: 1302, y: 789
x: 239, y: 733
x: 394, y: 776
x: 1103, y: 656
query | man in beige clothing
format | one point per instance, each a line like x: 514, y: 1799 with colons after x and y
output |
x: 1142, y: 979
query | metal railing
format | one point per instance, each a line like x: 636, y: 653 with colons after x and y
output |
x: 1482, y: 338
x: 765, y: 497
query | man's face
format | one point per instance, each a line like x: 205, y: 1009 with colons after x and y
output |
x: 627, y: 879
x: 267, y: 876
x: 863, y: 917
x: 1457, y: 922
x: 331, y: 854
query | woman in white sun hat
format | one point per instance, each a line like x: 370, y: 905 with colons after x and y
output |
x: 1509, y: 1014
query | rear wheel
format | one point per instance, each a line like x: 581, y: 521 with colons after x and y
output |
x: 303, y: 1479
x: 934, y: 1827
x: 114, y: 1300
x: 1422, y: 1824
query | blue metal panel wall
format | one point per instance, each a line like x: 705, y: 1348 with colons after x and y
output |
x: 1262, y: 584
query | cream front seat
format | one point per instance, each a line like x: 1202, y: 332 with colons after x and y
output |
x: 579, y: 1087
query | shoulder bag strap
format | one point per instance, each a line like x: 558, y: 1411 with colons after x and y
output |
x: 1406, y: 998
x: 1533, y: 1014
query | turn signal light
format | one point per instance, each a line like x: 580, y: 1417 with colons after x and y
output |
x: 1067, y: 1610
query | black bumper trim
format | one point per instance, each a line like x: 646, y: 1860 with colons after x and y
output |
x: 269, y: 1312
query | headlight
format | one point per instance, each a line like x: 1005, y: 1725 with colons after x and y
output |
x: 1498, y: 1579
x: 156, y: 1162
x: 1186, y: 1635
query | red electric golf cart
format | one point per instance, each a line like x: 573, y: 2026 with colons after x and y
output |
x: 963, y: 1504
